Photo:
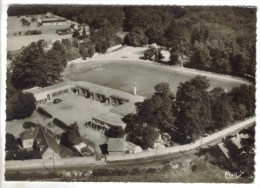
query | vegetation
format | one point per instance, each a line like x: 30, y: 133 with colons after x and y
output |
x: 194, y: 112
x: 35, y: 67
x: 18, y: 104
x: 153, y: 114
x: 71, y: 137
x: 33, y: 32
x: 207, y: 38
x: 10, y: 142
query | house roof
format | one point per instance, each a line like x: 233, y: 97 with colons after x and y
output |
x: 50, y: 139
x: 30, y: 133
x: 235, y: 140
x: 116, y: 145
x: 111, y: 118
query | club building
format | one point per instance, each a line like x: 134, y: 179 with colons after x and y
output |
x: 121, y: 103
x: 51, y: 20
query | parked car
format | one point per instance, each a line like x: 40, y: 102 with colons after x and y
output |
x: 56, y: 101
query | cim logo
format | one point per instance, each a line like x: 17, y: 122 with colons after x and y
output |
x: 233, y: 175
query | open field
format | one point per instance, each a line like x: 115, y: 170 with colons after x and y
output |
x: 14, y: 26
x: 122, y: 74
x: 16, y: 43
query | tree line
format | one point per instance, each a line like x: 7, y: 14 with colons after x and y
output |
x: 190, y: 114
x: 207, y: 38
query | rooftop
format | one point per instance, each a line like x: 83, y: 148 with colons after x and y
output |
x: 116, y: 145
x: 124, y: 109
x: 30, y: 133
x: 109, y: 91
x: 37, y: 90
x: 111, y: 118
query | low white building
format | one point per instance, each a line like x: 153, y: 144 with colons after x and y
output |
x: 49, y: 93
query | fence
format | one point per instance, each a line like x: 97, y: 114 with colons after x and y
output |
x: 182, y: 148
x: 49, y: 163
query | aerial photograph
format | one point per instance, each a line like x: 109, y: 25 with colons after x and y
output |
x: 130, y: 94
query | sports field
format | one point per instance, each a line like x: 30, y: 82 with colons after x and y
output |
x: 123, y: 74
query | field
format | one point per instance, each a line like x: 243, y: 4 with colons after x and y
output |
x: 16, y: 41
x: 123, y: 74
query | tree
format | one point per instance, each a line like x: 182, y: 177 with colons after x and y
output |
x: 76, y: 34
x: 243, y: 101
x: 193, y: 102
x: 222, y: 112
x: 154, y: 115
x: 71, y: 137
x: 24, y: 105
x: 84, y: 34
x: 10, y: 142
x: 136, y: 38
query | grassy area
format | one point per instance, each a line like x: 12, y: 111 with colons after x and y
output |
x: 122, y: 75
x: 15, y: 36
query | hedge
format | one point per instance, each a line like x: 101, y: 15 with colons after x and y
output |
x: 61, y: 124
x: 44, y: 112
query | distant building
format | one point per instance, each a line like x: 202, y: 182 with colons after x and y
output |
x: 40, y: 137
x: 236, y: 140
x: 118, y: 146
x: 51, y: 20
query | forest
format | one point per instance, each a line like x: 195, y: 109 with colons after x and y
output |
x: 217, y: 39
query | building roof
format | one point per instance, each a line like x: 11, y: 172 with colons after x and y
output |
x: 53, y: 20
x: 50, y: 139
x: 235, y: 140
x: 37, y: 90
x: 30, y: 133
x: 130, y: 145
x: 80, y: 146
x: 124, y: 109
x: 109, y: 91
x: 111, y: 118
x: 116, y: 145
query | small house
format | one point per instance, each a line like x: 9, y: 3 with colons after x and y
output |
x: 118, y: 146
x: 40, y: 137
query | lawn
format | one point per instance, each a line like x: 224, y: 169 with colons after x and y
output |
x: 14, y: 26
x: 123, y: 74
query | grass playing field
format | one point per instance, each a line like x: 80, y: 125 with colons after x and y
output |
x: 122, y: 75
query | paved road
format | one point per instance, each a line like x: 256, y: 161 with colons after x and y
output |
x: 185, y: 151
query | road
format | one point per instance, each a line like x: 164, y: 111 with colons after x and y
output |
x: 183, y: 151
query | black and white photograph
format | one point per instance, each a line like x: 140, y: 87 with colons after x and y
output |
x: 129, y: 93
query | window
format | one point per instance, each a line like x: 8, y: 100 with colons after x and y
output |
x: 54, y: 94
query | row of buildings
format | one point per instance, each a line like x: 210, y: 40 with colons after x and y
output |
x: 120, y: 103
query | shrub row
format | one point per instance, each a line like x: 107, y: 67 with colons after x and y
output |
x: 33, y: 32
x: 122, y: 171
x: 44, y: 112
x: 31, y: 176
x: 61, y: 124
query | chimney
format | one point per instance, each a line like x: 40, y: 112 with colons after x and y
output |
x: 135, y: 89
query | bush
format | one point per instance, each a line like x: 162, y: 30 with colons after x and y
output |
x: 137, y: 171
x: 29, y: 124
x: 44, y: 112
x: 23, y: 155
x: 151, y: 170
x: 33, y: 32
